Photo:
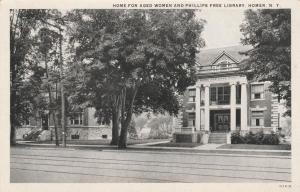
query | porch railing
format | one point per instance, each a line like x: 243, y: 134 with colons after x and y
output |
x: 217, y: 69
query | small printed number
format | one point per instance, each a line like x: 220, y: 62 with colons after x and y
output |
x: 285, y: 186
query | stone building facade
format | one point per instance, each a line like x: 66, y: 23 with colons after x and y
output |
x: 80, y: 126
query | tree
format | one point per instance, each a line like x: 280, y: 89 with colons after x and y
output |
x: 132, y: 130
x: 140, y: 122
x: 47, y: 39
x: 95, y: 84
x: 22, y: 24
x: 269, y: 32
x: 49, y: 45
x: 30, y: 36
x: 145, y: 58
x: 161, y: 126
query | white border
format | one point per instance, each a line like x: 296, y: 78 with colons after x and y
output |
x: 5, y: 186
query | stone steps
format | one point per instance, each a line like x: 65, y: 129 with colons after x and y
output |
x: 217, y: 138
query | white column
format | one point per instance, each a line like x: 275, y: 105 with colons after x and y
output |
x: 206, y: 108
x: 197, y: 110
x: 232, y: 106
x: 244, y: 107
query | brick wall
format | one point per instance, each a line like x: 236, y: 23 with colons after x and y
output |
x: 262, y: 104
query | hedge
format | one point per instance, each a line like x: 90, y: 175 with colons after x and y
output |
x: 258, y: 138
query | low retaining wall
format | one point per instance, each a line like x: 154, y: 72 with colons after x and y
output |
x: 186, y: 138
x: 197, y: 137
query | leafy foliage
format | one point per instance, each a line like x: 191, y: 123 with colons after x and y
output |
x: 161, y: 127
x: 30, y: 39
x: 258, y: 138
x: 133, y: 60
x: 269, y: 32
x: 132, y: 130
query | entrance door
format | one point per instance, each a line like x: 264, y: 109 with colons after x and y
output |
x: 222, y: 122
x: 45, y: 122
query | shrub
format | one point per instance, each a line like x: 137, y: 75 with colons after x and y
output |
x: 236, y: 138
x: 270, y: 139
x: 250, y: 138
x: 257, y: 138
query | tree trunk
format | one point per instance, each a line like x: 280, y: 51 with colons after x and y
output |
x: 12, y: 135
x: 63, y: 118
x: 13, y: 111
x: 124, y: 131
x: 13, y: 86
x: 115, y: 126
x: 125, y: 122
x: 51, y: 103
x: 55, y: 129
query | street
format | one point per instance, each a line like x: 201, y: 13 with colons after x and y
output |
x: 50, y: 165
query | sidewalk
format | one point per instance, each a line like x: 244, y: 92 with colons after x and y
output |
x: 203, y: 149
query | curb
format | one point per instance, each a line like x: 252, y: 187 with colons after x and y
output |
x: 181, y: 150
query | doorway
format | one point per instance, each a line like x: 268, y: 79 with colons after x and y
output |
x: 220, y: 121
x: 45, y: 122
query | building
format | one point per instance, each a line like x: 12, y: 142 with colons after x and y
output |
x: 80, y: 126
x: 223, y: 101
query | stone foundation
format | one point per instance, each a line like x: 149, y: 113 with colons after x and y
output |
x: 22, y: 131
x: 99, y: 133
x: 85, y: 133
x: 45, y: 136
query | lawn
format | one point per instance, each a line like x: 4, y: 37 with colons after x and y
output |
x: 256, y: 147
x: 103, y: 141
x: 172, y: 144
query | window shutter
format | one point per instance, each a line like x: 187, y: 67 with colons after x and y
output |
x: 190, y: 123
x: 253, y: 122
x: 261, y: 122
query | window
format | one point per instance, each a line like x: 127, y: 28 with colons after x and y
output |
x: 75, y: 136
x: 238, y: 94
x: 257, y: 122
x: 192, y: 95
x: 191, y: 122
x: 257, y: 91
x: 257, y: 118
x: 104, y: 136
x: 76, y: 119
x: 257, y: 96
x: 27, y: 123
x: 220, y: 95
x: 213, y: 94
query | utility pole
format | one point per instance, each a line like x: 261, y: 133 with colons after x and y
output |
x: 63, y: 126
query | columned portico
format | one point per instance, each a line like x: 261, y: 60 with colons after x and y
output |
x: 232, y: 106
x: 217, y: 104
x: 206, y: 108
x: 244, y: 106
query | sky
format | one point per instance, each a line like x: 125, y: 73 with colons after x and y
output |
x: 222, y: 27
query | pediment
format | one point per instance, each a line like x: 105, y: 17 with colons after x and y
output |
x: 224, y: 58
